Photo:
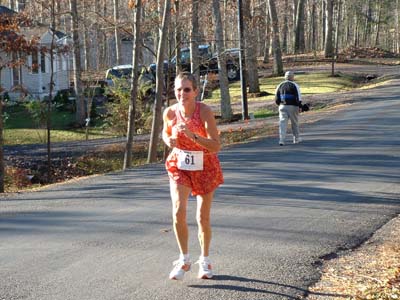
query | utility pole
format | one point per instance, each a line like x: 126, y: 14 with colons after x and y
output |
x: 243, y: 83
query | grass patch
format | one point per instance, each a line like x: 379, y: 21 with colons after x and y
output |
x: 310, y: 84
x: 19, y: 118
x: 264, y: 113
x: 39, y: 136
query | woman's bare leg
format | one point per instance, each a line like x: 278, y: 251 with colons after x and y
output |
x: 204, y: 221
x: 179, y: 197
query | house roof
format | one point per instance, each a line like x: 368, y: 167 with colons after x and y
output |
x: 6, y: 10
x: 58, y: 34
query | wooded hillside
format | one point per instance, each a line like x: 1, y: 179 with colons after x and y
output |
x: 305, y: 26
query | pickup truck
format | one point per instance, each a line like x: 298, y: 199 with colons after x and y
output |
x: 208, y: 62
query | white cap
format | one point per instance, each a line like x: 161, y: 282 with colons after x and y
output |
x: 289, y: 75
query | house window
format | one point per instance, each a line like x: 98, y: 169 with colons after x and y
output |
x: 35, y: 63
x: 42, y: 62
x: 15, y: 72
x: 16, y: 76
x: 21, y: 5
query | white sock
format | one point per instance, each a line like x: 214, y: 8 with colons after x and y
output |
x: 203, y: 258
x: 185, y: 257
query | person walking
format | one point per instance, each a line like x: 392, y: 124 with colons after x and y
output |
x: 193, y: 167
x: 288, y: 97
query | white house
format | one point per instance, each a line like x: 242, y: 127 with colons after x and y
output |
x: 33, y: 78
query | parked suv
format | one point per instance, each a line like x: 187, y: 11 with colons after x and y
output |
x: 208, y: 62
x: 119, y: 72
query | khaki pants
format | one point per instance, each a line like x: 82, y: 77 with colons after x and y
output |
x: 287, y: 112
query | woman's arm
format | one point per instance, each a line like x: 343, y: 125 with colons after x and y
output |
x: 212, y: 142
x: 168, y: 118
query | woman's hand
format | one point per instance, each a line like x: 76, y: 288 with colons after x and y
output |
x: 172, y: 141
x: 181, y: 127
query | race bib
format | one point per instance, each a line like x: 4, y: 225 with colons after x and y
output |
x: 190, y: 160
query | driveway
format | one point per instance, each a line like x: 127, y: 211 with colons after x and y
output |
x: 280, y: 212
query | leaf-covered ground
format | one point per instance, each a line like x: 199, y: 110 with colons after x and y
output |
x: 370, y: 272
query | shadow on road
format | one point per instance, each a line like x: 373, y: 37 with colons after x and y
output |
x: 239, y: 288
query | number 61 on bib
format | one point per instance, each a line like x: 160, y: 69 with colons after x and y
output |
x: 190, y: 160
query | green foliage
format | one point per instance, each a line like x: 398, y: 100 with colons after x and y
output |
x: 116, y: 118
x: 62, y: 100
x: 38, y: 112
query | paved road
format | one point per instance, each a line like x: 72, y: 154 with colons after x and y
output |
x: 279, y: 213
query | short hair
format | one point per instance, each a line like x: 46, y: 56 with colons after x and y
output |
x: 289, y: 75
x: 187, y: 76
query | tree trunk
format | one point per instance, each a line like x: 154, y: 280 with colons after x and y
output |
x: 278, y: 65
x: 48, y: 123
x: 251, y: 50
x: 313, y: 28
x: 267, y: 46
x: 323, y: 18
x: 157, y: 114
x: 103, y: 55
x: 293, y: 27
x: 329, y: 29
x: 2, y: 168
x: 178, y: 36
x: 398, y: 26
x: 96, y: 38
x: 116, y: 32
x: 226, y: 109
x: 77, y: 69
x: 194, y: 41
x: 339, y: 9
x: 86, y: 42
x: 299, y: 43
x: 285, y: 30
x: 134, y: 85
x: 367, y: 26
x: 378, y: 25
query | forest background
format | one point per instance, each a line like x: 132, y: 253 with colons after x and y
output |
x: 264, y: 30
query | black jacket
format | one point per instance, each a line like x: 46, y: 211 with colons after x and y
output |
x: 288, y: 93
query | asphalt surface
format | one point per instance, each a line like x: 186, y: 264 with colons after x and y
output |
x: 280, y: 212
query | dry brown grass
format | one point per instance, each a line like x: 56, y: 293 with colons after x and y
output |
x: 371, y: 272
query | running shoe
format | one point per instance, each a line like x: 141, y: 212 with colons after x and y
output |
x: 297, y: 140
x: 179, y: 270
x: 205, y: 269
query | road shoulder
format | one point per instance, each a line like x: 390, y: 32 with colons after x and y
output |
x: 367, y: 272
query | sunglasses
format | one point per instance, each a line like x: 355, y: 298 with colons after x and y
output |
x: 185, y: 90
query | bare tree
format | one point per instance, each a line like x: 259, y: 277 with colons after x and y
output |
x: 52, y: 49
x: 398, y: 26
x: 116, y: 32
x: 157, y: 114
x: 251, y: 50
x: 226, y: 109
x: 313, y: 25
x: 134, y: 85
x: 86, y: 42
x: 329, y: 29
x: 77, y: 69
x: 267, y: 46
x: 285, y: 30
x: 378, y: 23
x: 299, y: 43
x: 194, y: 41
x: 278, y: 65
x: 178, y: 37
